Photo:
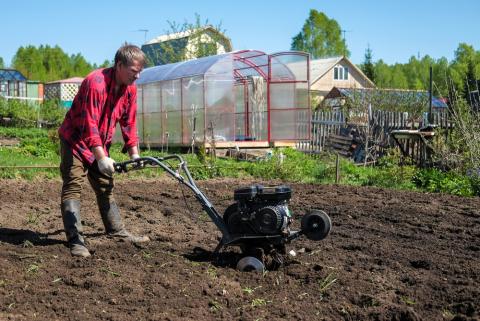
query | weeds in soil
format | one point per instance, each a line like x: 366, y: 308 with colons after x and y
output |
x: 407, y: 300
x: 147, y: 255
x: 259, y: 302
x: 214, y: 306
x: 33, y: 218
x: 249, y: 290
x: 27, y: 244
x: 447, y: 314
x: 33, y: 269
x: 110, y: 272
x: 3, y: 283
x: 327, y: 283
x: 212, y: 272
x: 57, y: 280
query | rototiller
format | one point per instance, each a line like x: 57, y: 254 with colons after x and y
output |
x: 258, y: 222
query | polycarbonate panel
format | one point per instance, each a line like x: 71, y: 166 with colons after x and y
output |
x: 171, y: 95
x: 283, y: 96
x: 239, y: 98
x: 302, y: 97
x: 289, y: 66
x: 223, y: 127
x: 193, y: 108
x: 257, y: 126
x: 179, y: 70
x: 240, y: 133
x: 152, y: 98
x: 174, y: 127
x: 220, y: 106
x: 139, y: 100
x: 289, y: 124
x: 152, y: 131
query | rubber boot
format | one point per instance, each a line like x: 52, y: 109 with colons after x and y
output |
x: 114, y: 225
x: 73, y: 228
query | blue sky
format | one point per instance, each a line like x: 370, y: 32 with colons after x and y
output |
x: 394, y: 30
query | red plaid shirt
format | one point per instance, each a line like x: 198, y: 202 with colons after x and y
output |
x: 94, y: 114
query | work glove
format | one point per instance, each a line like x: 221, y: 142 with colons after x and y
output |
x: 134, y: 156
x: 139, y: 164
x: 105, y: 165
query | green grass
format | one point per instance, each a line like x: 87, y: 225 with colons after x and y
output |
x: 40, y: 147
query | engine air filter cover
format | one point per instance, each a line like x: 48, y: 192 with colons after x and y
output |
x: 266, y: 193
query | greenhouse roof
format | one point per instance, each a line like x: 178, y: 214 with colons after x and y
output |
x: 244, y: 63
x: 11, y: 74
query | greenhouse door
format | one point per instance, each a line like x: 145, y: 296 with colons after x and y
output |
x: 288, y: 97
x: 251, y: 110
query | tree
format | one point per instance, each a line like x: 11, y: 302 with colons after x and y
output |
x: 1, y: 63
x: 321, y: 37
x: 47, y: 63
x: 367, y: 67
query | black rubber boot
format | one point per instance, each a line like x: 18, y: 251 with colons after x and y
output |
x: 114, y: 225
x: 73, y: 228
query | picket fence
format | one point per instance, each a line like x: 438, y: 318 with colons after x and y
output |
x: 379, y: 125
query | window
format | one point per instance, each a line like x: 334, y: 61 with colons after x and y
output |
x: 340, y: 73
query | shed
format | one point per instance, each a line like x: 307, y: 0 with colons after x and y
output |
x: 245, y: 98
x: 64, y: 90
x: 13, y: 83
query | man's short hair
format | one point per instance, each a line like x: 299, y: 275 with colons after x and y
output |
x: 128, y: 53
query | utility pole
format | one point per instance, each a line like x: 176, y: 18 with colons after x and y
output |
x: 344, y: 43
x: 144, y: 35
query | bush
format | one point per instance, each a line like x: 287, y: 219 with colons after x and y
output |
x: 28, y: 114
x: 436, y: 181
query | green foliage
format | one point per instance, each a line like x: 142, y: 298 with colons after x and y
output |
x: 367, y: 67
x: 2, y: 64
x: 47, y: 63
x: 415, y: 73
x: 321, y: 37
x: 26, y: 114
x: 40, y: 147
x: 436, y: 181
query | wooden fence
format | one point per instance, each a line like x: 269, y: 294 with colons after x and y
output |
x: 331, y: 128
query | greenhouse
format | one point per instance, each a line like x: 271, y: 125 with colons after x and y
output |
x: 238, y: 99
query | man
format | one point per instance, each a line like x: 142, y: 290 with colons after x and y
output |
x: 106, y: 96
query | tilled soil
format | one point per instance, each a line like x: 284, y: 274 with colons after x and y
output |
x: 391, y: 255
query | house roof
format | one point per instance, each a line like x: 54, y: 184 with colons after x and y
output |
x: 11, y: 74
x: 68, y: 80
x: 319, y: 67
x: 184, y: 34
x: 390, y: 94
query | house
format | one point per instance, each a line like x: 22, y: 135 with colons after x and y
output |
x: 12, y: 83
x: 339, y: 72
x: 63, y: 90
x: 186, y: 45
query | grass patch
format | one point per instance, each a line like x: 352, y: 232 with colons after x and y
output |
x: 39, y: 147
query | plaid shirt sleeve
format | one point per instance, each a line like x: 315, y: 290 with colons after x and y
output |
x: 92, y: 107
x: 128, y: 120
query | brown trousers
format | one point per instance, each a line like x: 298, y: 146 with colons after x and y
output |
x: 73, y: 175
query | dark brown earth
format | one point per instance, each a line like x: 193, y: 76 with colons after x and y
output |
x: 391, y: 255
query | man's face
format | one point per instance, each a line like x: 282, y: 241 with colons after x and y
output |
x: 126, y: 75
